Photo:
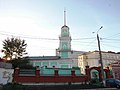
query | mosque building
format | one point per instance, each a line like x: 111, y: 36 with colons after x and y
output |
x: 65, y: 57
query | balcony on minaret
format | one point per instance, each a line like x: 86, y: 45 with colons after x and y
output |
x: 64, y: 38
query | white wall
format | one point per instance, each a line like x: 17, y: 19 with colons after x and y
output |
x: 6, y: 75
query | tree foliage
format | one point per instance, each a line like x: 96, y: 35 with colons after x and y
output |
x: 21, y: 62
x: 14, y: 47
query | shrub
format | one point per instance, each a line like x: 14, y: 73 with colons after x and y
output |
x: 13, y: 86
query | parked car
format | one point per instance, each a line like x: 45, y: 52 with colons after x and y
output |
x: 111, y: 82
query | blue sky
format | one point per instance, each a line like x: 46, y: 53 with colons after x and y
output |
x: 39, y: 22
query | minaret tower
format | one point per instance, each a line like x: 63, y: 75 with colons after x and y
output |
x: 65, y: 40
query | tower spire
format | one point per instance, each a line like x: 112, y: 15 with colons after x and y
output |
x: 64, y: 17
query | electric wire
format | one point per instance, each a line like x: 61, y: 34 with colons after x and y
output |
x: 34, y: 37
x: 115, y: 35
x: 111, y: 46
x: 78, y: 41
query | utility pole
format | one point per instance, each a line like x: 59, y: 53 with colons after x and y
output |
x: 100, y: 54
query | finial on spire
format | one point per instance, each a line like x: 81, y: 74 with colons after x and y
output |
x: 64, y: 16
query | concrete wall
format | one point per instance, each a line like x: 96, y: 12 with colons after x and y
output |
x: 58, y: 77
x: 6, y: 75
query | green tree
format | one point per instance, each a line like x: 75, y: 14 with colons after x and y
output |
x: 14, y: 48
x: 20, y: 62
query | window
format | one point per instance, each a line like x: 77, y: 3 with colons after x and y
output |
x: 116, y: 75
x: 64, y: 66
x: 45, y: 63
x: 53, y: 64
x: 37, y: 64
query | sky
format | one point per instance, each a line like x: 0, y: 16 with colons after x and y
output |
x: 39, y: 22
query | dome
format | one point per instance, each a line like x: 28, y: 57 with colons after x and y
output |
x: 65, y: 27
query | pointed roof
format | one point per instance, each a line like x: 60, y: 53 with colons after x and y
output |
x: 65, y: 19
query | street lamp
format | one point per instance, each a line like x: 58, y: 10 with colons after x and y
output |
x: 101, y: 62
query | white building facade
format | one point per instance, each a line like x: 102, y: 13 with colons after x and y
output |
x: 92, y: 59
x: 51, y: 61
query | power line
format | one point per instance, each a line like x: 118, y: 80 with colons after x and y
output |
x: 111, y: 46
x: 29, y: 37
x: 34, y: 37
x: 90, y: 43
x: 113, y: 35
x: 84, y: 38
x: 111, y: 39
x: 79, y: 41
